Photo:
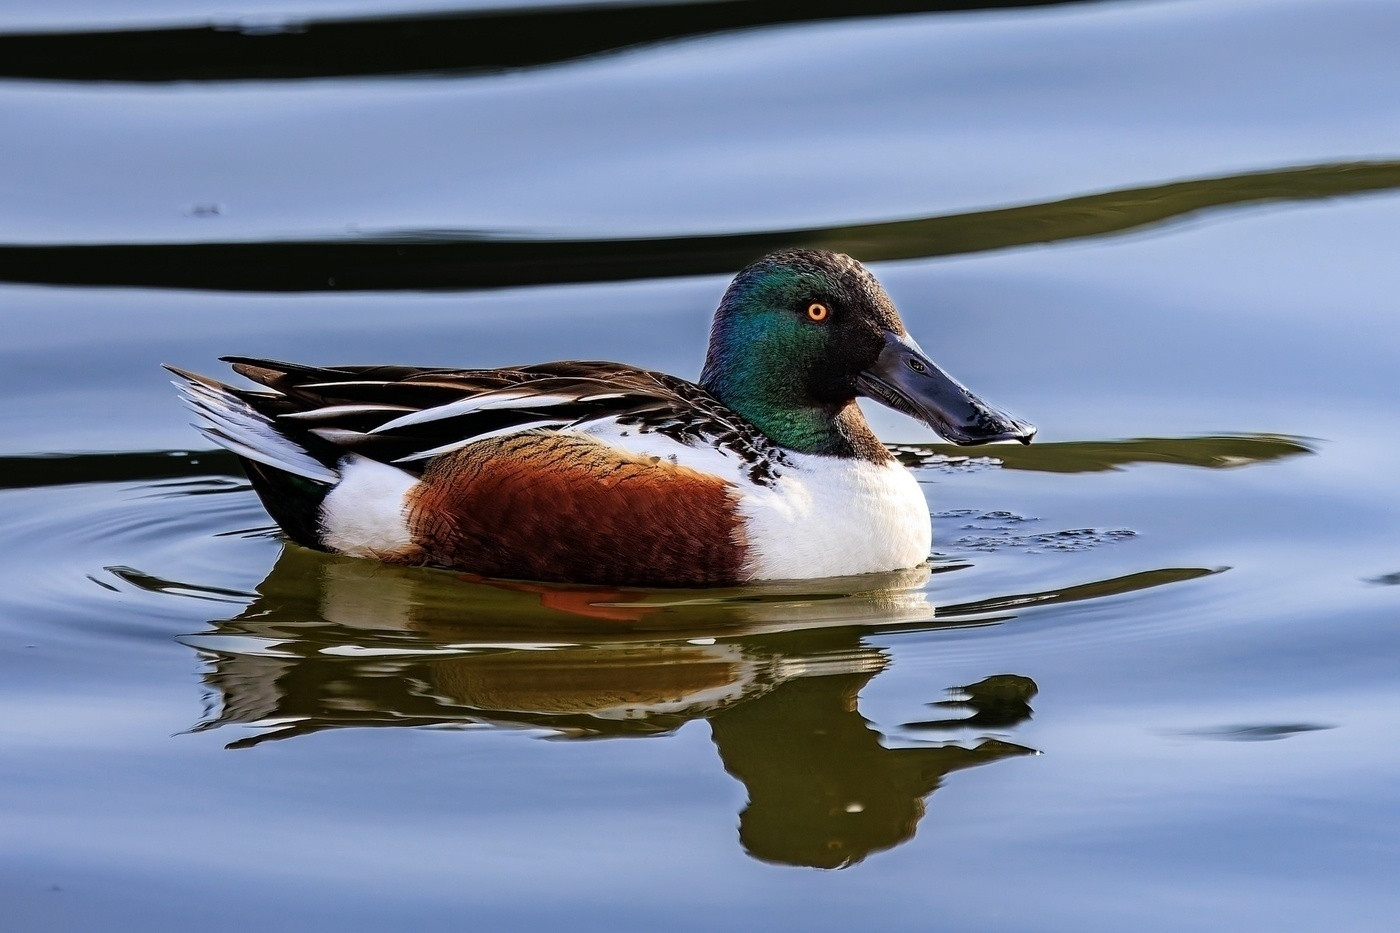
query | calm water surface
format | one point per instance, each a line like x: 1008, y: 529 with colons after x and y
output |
x: 1148, y: 679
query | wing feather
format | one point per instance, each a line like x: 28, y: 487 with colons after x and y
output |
x: 409, y: 415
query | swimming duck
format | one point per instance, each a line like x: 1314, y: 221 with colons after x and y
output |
x: 597, y: 472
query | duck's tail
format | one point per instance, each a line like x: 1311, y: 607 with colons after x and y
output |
x: 290, y: 475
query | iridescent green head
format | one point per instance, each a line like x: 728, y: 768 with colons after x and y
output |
x: 800, y: 334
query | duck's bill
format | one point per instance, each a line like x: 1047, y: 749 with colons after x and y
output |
x: 905, y: 379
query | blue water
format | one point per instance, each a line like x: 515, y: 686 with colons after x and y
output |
x: 1177, y: 609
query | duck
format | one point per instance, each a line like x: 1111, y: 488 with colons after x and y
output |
x: 594, y: 472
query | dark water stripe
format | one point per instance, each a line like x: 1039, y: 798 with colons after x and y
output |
x: 142, y: 466
x: 453, y: 43
x: 462, y: 261
x: 25, y: 472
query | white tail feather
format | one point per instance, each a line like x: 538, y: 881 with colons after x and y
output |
x: 232, y: 424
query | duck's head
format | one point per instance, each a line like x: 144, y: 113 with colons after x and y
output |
x: 800, y: 334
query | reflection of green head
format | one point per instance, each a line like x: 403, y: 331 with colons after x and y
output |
x: 790, y: 337
x: 823, y: 791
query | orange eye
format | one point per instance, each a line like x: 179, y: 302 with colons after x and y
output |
x: 818, y: 312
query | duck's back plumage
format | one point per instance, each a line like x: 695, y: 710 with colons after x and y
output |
x: 408, y: 415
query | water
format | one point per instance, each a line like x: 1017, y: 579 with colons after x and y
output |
x: 1146, y: 682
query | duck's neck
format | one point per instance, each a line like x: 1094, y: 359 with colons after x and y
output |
x: 832, y: 431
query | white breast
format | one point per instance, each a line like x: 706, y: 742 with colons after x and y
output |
x: 829, y: 517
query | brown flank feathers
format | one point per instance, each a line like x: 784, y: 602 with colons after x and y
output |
x: 567, y: 508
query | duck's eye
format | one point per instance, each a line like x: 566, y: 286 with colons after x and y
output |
x: 816, y: 311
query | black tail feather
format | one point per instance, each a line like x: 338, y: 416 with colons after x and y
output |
x: 294, y: 502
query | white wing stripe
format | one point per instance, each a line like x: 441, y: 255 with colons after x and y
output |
x: 331, y: 410
x: 502, y: 432
x: 483, y: 402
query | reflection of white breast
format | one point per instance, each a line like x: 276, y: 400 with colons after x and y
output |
x: 829, y: 516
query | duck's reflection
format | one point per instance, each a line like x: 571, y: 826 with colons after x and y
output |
x: 333, y: 642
